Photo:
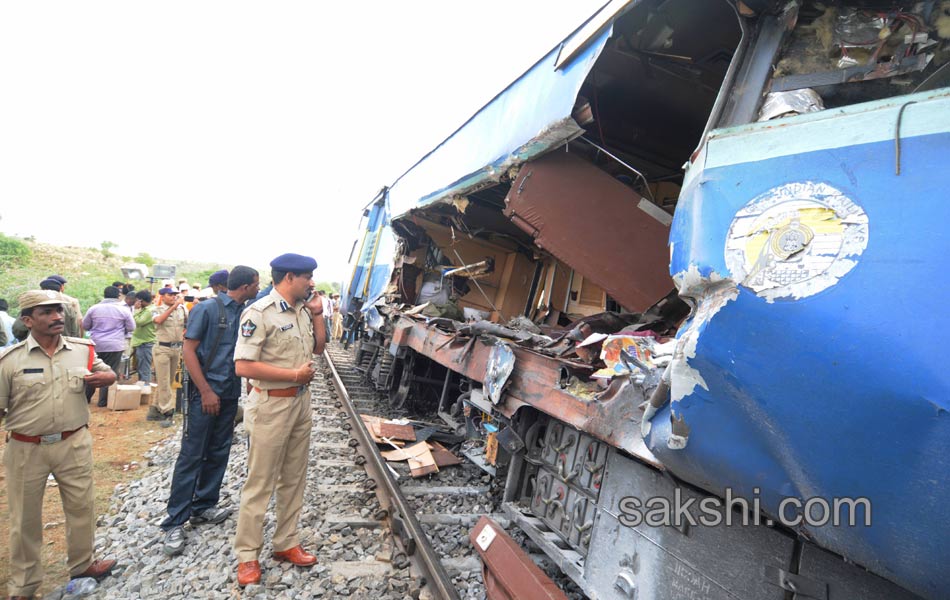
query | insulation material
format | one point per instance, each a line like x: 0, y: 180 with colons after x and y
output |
x: 783, y: 104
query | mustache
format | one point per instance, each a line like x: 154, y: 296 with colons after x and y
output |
x: 57, y: 323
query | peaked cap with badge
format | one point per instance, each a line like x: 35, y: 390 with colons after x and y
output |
x: 34, y: 298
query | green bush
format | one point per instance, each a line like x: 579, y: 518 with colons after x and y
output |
x: 13, y: 252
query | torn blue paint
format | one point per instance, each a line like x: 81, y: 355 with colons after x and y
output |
x: 528, y: 118
x: 837, y: 392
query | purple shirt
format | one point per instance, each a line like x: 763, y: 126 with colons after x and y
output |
x: 109, y: 324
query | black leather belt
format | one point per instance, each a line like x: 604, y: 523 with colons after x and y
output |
x: 170, y: 344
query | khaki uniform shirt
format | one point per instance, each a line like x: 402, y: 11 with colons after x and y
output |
x: 73, y: 316
x: 277, y: 333
x: 173, y: 329
x: 44, y: 395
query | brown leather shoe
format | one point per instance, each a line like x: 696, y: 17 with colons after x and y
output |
x: 249, y: 572
x: 98, y: 570
x: 296, y: 555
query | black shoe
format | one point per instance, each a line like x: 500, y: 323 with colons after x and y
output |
x: 101, y: 404
x: 211, y: 516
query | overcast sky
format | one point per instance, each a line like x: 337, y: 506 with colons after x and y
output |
x: 235, y: 131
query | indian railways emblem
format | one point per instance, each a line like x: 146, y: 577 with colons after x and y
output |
x: 795, y: 240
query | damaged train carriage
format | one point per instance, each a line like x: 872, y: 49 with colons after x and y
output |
x: 612, y: 329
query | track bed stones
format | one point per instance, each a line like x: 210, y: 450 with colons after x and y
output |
x: 340, y: 520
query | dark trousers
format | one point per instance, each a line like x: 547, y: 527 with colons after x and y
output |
x: 199, y: 470
x: 114, y: 360
x: 143, y: 356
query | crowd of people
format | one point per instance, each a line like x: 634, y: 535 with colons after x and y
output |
x: 53, y: 359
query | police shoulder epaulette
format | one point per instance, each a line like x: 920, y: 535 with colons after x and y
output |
x: 262, y: 303
x: 9, y: 349
x: 79, y: 340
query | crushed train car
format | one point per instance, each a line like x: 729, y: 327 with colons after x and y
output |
x: 617, y: 328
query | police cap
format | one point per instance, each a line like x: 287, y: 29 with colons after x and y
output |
x: 59, y: 278
x: 218, y: 278
x: 293, y: 263
x: 39, y: 298
x: 167, y: 290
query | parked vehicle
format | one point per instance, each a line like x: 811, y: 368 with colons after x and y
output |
x: 667, y: 264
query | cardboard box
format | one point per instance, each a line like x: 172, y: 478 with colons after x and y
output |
x: 123, y: 397
x: 147, y: 391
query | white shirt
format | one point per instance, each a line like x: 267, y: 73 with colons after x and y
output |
x: 6, y: 321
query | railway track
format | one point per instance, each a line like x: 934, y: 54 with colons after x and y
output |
x: 429, y: 517
x: 370, y: 542
x: 423, y: 524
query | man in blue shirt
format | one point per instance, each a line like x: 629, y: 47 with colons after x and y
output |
x: 211, y: 406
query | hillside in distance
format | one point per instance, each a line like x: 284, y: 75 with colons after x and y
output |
x: 88, y: 270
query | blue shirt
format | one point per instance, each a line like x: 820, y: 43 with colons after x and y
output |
x: 203, y: 326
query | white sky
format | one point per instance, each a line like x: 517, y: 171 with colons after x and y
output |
x: 235, y: 131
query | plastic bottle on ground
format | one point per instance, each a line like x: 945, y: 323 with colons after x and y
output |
x: 81, y: 587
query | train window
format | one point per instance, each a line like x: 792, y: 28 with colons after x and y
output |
x: 648, y: 97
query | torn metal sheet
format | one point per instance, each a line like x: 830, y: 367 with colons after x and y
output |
x: 708, y: 295
x: 509, y: 573
x: 528, y: 118
x: 796, y: 240
x: 630, y: 261
x: 827, y: 392
x: 539, y: 381
x: 501, y: 362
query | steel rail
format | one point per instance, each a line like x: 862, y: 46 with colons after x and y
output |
x: 405, y: 526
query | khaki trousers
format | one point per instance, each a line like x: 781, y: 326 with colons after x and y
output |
x: 337, y: 331
x: 165, y: 363
x: 279, y: 432
x: 28, y: 467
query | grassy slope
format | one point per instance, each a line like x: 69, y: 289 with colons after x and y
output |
x: 87, y: 270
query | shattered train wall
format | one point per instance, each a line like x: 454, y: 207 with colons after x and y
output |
x: 507, y: 287
x: 596, y: 224
x: 813, y: 364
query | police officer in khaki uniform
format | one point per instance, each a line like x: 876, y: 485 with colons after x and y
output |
x: 169, y: 321
x: 279, y: 335
x: 42, y: 397
x: 73, y: 310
